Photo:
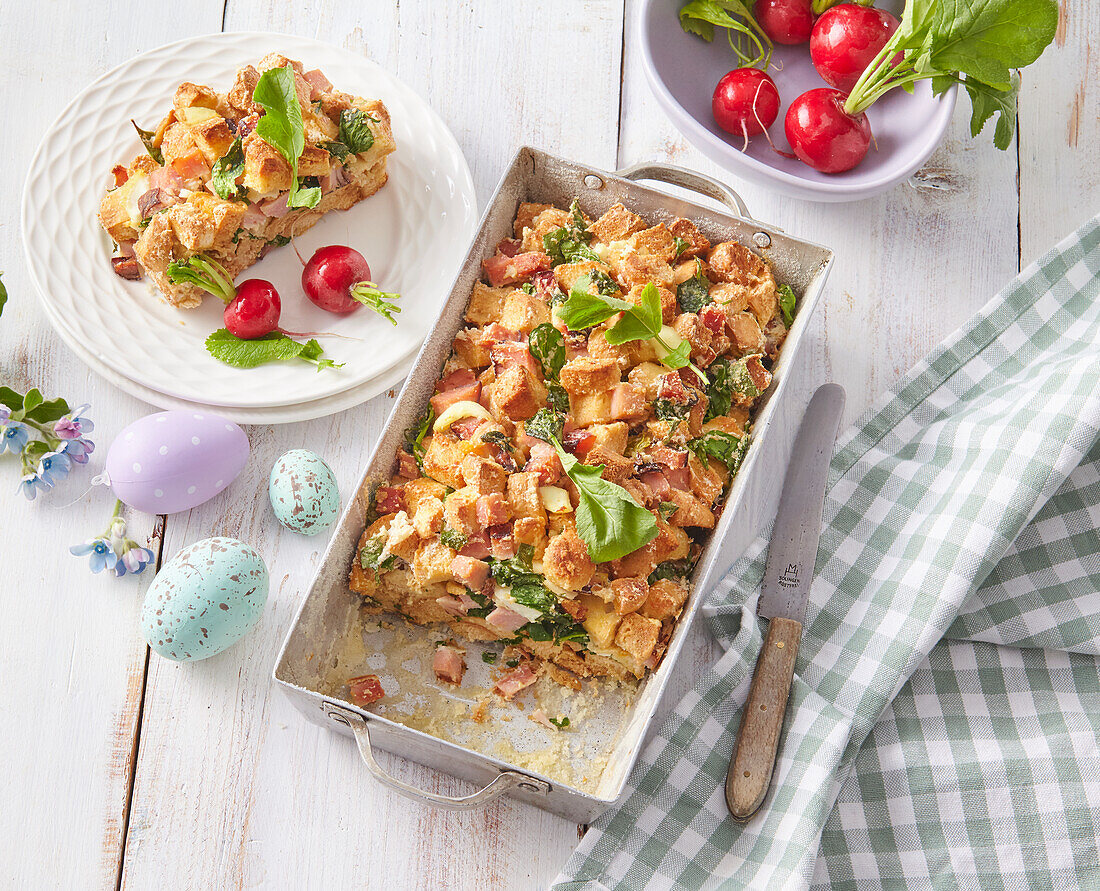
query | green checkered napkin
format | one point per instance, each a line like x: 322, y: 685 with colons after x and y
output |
x: 944, y: 722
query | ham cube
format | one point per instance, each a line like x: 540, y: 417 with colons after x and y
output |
x: 459, y: 386
x: 365, y: 689
x: 389, y: 499
x: 628, y: 403
x: 519, y: 679
x: 448, y: 664
x: 504, y: 270
x: 506, y: 620
x: 493, y: 509
x: 471, y: 572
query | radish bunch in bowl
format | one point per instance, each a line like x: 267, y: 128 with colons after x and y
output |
x: 861, y: 53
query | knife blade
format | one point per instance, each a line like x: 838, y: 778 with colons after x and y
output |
x: 788, y: 572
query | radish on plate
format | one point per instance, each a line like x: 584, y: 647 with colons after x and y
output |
x: 337, y: 278
x: 255, y: 310
x: 745, y: 102
x: 823, y: 135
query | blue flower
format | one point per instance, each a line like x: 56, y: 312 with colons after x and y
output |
x: 73, y: 427
x: 13, y: 436
x: 134, y: 559
x: 31, y: 484
x: 78, y: 450
x: 102, y: 556
x: 53, y: 467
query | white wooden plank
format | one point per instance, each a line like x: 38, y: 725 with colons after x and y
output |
x: 1059, y: 136
x: 71, y: 656
x: 229, y: 775
x: 911, y: 265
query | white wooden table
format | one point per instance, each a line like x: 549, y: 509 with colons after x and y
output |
x: 119, y: 768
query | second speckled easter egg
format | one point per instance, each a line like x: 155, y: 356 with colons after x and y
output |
x: 204, y: 599
x: 303, y: 492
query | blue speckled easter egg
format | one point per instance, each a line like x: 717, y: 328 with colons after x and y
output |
x: 204, y: 599
x: 303, y: 492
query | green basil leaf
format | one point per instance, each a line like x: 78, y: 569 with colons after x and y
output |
x: 355, y: 131
x: 678, y: 357
x: 611, y: 523
x: 583, y: 309
x: 224, y: 173
x: 147, y: 137
x: 282, y: 127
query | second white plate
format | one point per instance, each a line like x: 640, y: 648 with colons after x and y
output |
x: 413, y: 232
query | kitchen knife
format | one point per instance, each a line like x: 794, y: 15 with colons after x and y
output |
x: 789, y: 569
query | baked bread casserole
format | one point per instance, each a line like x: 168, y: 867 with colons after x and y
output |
x: 557, y: 401
x: 209, y: 183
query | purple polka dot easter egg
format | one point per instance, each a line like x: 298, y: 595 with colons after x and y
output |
x: 175, y: 460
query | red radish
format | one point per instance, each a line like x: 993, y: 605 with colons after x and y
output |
x: 823, y: 135
x: 337, y: 279
x: 787, y: 22
x: 255, y: 310
x: 846, y: 40
x: 745, y: 102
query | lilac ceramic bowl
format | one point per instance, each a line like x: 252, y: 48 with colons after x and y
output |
x: 682, y: 70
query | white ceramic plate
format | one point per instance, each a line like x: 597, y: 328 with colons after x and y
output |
x: 272, y: 414
x: 426, y: 210
x: 683, y: 70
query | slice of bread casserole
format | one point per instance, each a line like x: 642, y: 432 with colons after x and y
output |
x: 210, y: 184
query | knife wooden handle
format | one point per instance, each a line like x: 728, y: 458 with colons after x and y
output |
x: 753, y: 760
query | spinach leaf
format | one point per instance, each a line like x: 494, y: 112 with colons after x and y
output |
x: 489, y: 657
x: 548, y: 346
x: 370, y: 556
x: 786, y: 304
x: 546, y: 425
x: 147, y: 137
x: 603, y: 283
x: 224, y: 173
x: 569, y: 243
x: 694, y: 294
x: 673, y: 412
x: 719, y: 398
x: 679, y: 245
x: 282, y: 127
x: 535, y: 596
x: 671, y: 569
x: 337, y: 150
x: 725, y: 447
x: 355, y: 131
x: 274, y: 347
x: 454, y: 540
x: 666, y: 509
x: 560, y: 723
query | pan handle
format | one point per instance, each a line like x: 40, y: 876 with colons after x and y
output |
x: 503, y: 782
x: 688, y: 179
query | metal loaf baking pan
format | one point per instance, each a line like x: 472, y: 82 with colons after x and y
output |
x: 329, y: 610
